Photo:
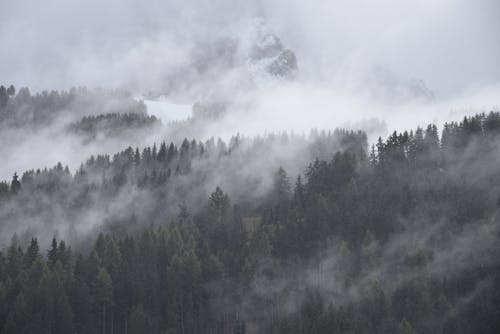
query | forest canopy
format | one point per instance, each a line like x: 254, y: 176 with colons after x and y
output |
x: 399, y: 237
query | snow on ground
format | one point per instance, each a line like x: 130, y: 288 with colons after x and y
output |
x: 166, y: 110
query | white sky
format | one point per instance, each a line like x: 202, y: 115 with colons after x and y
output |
x: 451, y: 44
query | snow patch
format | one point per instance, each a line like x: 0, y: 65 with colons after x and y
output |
x: 166, y: 110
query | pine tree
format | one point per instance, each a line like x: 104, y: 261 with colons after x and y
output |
x: 4, y: 97
x: 15, y: 185
x: 14, y: 260
x: 162, y: 152
x: 32, y: 253
x: 281, y: 187
x: 11, y: 91
x: 219, y: 205
x: 52, y: 254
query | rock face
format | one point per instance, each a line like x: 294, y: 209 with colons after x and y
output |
x: 285, y: 65
x: 388, y: 86
x: 245, y: 58
x: 266, y: 45
x: 268, y: 59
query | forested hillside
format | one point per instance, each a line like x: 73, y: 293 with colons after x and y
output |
x: 137, y: 187
x: 248, y: 167
x: 283, y: 233
x: 21, y: 109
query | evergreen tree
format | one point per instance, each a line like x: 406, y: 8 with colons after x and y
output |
x: 32, y: 253
x: 15, y: 186
x: 11, y: 91
x: 4, y: 97
x: 52, y: 255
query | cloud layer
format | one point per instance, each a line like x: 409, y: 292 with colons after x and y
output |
x: 449, y: 44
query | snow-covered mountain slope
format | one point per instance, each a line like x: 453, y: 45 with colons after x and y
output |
x: 245, y: 56
x: 267, y: 59
x: 388, y: 86
x: 166, y: 110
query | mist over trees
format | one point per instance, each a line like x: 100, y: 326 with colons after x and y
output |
x: 145, y: 186
x: 23, y: 109
x: 247, y: 167
x: 400, y: 237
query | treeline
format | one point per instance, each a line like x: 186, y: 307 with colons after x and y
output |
x: 402, y: 238
x: 154, y: 166
x: 23, y: 109
x: 113, y: 124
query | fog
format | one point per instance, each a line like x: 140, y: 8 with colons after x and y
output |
x: 352, y: 55
x: 256, y: 86
x: 400, y: 63
x: 393, y: 65
x: 451, y: 45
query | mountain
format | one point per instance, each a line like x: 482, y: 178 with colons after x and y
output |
x: 388, y: 86
x: 246, y: 56
x: 268, y: 59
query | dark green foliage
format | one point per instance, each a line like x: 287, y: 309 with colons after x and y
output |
x: 15, y: 185
x: 4, y: 97
x: 401, y: 240
x: 112, y: 125
x: 26, y: 110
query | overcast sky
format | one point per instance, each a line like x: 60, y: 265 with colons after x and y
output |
x: 451, y: 44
